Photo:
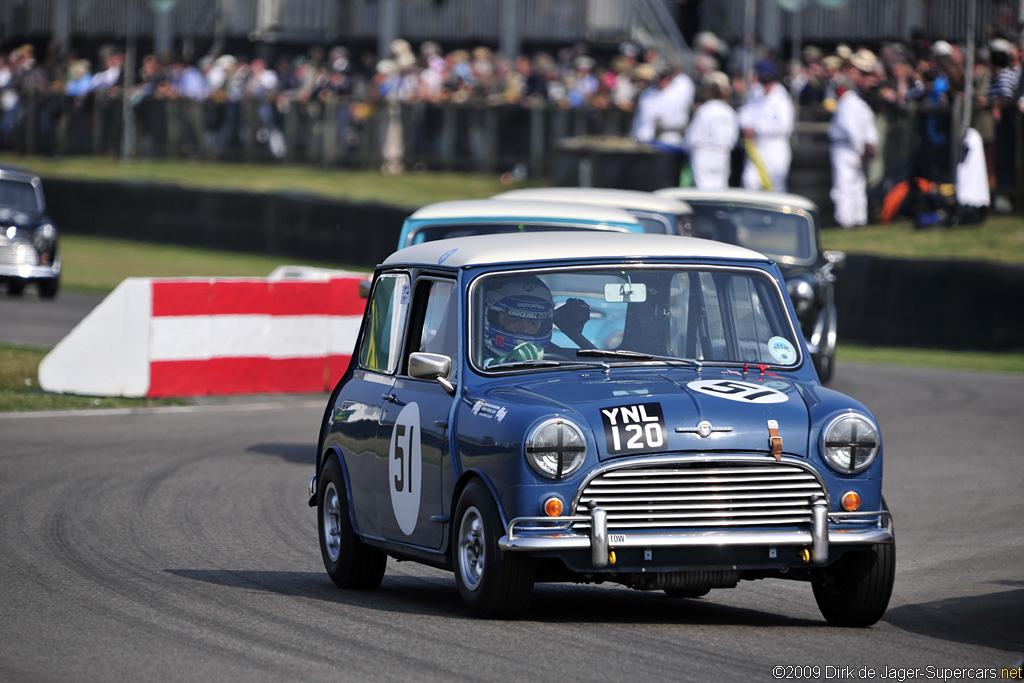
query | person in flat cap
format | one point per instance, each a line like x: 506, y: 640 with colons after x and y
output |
x: 767, y: 121
x: 712, y: 134
x: 853, y: 136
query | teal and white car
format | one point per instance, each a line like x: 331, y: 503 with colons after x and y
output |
x: 659, y: 214
x: 459, y: 218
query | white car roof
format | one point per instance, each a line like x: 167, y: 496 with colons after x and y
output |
x: 637, y: 200
x: 519, y: 210
x: 548, y: 246
x: 737, y: 194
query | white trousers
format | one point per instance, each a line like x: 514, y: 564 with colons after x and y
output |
x: 849, y: 187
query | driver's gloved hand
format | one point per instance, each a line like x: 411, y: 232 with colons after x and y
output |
x: 571, y: 316
x: 524, y: 351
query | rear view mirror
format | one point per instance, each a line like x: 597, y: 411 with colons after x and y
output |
x: 625, y: 292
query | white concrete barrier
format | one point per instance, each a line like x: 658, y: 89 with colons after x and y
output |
x: 191, y: 337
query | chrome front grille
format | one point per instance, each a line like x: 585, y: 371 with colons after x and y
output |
x: 714, y: 494
x: 17, y: 253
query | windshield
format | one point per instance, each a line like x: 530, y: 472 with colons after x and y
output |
x: 786, y: 236
x: 630, y: 314
x: 429, y: 233
x: 18, y: 196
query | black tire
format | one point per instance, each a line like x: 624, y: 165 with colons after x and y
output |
x: 826, y: 366
x: 48, y: 287
x: 493, y: 584
x: 349, y: 562
x: 15, y: 287
x: 856, y: 589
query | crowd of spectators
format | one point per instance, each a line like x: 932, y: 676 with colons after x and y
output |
x: 924, y: 75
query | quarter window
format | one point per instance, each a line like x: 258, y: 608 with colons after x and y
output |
x: 380, y: 349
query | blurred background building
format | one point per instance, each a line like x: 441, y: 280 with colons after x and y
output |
x: 196, y: 27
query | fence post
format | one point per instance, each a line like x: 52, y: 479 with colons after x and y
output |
x: 538, y: 133
x: 448, y: 128
x: 32, y: 111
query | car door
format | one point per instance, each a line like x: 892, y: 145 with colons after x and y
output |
x: 414, y: 426
x: 358, y: 416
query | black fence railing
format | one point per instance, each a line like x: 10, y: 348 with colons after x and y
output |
x: 473, y: 136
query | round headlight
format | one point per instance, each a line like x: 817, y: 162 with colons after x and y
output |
x: 850, y: 443
x: 44, y: 237
x: 802, y: 293
x: 556, y: 448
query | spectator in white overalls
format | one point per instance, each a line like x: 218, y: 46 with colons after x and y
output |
x: 711, y: 135
x: 767, y: 120
x: 854, y: 139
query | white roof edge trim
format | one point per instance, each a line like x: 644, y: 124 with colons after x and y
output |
x: 521, y: 211
x: 539, y: 247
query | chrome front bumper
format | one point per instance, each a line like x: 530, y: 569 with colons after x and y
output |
x: 29, y: 272
x: 546, y: 534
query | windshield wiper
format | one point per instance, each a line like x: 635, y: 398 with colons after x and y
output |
x: 636, y: 355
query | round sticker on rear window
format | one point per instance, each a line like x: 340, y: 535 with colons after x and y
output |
x: 782, y: 350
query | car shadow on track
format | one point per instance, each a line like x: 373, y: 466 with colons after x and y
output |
x: 552, y: 603
x: 989, y: 620
x: 298, y: 453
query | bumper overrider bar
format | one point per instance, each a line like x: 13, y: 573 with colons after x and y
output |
x: 546, y: 534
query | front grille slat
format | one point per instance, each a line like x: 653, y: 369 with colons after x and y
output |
x: 740, y: 494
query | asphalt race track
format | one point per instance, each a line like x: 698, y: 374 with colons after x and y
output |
x: 175, y: 544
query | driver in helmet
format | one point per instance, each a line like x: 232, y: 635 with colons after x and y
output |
x: 520, y: 314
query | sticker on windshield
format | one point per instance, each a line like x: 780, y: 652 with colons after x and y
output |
x: 405, y: 468
x: 638, y: 428
x: 744, y: 392
x: 782, y: 351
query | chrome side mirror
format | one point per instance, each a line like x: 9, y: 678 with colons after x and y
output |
x: 432, y: 366
x: 836, y: 258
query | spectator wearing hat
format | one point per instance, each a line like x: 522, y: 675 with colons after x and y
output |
x: 853, y: 136
x: 767, y: 122
x: 1001, y: 95
x: 712, y: 134
x: 663, y: 109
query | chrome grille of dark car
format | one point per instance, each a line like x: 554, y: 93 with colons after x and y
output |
x: 17, y: 253
x: 705, y: 494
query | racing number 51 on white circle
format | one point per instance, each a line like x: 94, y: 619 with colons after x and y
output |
x: 405, y: 468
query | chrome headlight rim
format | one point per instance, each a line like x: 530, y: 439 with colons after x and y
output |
x: 840, y: 450
x: 560, y: 459
x: 801, y: 291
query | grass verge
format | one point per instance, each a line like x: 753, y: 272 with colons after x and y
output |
x: 19, y: 387
x: 972, y: 361
x: 99, y: 264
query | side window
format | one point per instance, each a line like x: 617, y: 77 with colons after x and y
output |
x: 439, y: 333
x: 380, y: 347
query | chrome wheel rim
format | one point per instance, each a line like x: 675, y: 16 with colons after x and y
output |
x: 471, y: 548
x: 330, y: 518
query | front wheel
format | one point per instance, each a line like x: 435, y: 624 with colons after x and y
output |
x: 15, y: 287
x: 349, y: 562
x: 48, y: 287
x: 855, y: 591
x: 493, y: 584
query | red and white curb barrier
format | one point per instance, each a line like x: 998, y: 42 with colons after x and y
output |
x: 192, y: 337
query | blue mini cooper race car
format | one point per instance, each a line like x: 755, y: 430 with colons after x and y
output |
x: 698, y: 452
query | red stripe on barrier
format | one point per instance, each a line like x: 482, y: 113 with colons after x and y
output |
x: 343, y: 297
x: 180, y: 298
x: 298, y: 298
x: 239, y: 297
x: 237, y: 376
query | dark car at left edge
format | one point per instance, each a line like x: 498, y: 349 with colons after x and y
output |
x: 29, y: 252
